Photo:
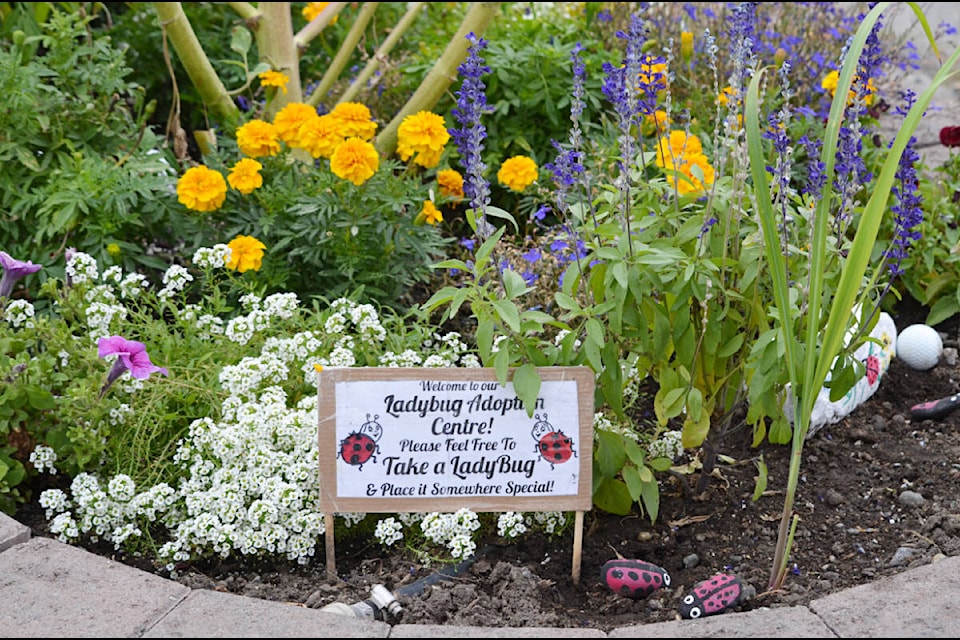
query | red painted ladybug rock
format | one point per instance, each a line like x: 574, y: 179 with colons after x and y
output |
x: 361, y: 446
x: 634, y: 579
x: 714, y: 595
x: 553, y: 445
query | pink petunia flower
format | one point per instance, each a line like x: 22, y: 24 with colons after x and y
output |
x: 13, y: 270
x: 131, y: 355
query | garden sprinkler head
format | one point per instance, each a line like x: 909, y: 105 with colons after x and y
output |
x: 381, y: 604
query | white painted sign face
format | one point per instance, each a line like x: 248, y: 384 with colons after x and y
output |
x: 430, y: 439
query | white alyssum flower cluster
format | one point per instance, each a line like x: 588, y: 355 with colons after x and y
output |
x: 453, y: 530
x: 250, y: 481
x: 19, y: 313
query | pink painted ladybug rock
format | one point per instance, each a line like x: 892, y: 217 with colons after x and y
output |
x: 553, y: 445
x: 714, y: 595
x: 632, y: 578
x: 361, y: 446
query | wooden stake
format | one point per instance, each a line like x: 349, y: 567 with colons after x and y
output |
x: 577, y: 546
x: 328, y: 539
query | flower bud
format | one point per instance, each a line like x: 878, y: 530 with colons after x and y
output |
x: 686, y: 46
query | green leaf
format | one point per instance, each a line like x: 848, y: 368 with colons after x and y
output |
x: 509, y: 313
x: 514, y: 285
x: 651, y: 500
x: 240, y: 40
x: 761, y: 485
x: 942, y: 310
x: 40, y: 398
x: 526, y: 384
x: 634, y: 483
x: 497, y: 212
x: 612, y: 496
x: 610, y: 455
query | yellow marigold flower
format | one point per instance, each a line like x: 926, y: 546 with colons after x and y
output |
x: 517, y: 173
x: 246, y: 252
x: 355, y: 160
x: 313, y: 9
x: 201, y: 189
x: 355, y: 120
x: 831, y: 80
x: 429, y: 214
x: 258, y: 138
x: 276, y: 79
x: 451, y: 183
x: 725, y: 96
x: 113, y: 249
x: 657, y: 122
x: 428, y: 158
x: 693, y: 184
x: 677, y: 148
x: 245, y: 176
x: 290, y: 119
x: 321, y: 136
x: 423, y: 133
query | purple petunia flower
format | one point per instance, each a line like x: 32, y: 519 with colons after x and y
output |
x: 13, y: 270
x: 131, y: 355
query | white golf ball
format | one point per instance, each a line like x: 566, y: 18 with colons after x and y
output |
x: 919, y: 345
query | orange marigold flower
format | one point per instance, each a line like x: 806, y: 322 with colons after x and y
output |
x: 676, y: 147
x: 424, y: 134
x: 276, y: 79
x: 313, y: 9
x: 246, y: 252
x: 451, y: 183
x: 355, y: 120
x: 258, y: 138
x: 245, y: 176
x: 201, y: 189
x: 517, y: 173
x: 429, y: 214
x: 321, y: 136
x: 290, y: 119
x: 355, y: 160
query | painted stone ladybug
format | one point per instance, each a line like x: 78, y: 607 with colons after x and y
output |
x: 361, y: 446
x: 714, y: 595
x: 553, y: 445
x: 633, y: 578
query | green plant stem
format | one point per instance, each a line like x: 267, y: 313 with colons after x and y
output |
x: 413, y: 11
x: 175, y: 24
x: 339, y: 62
x: 443, y: 73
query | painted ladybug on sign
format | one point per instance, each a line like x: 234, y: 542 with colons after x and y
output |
x: 714, y: 595
x: 554, y: 446
x: 361, y: 446
x: 634, y: 579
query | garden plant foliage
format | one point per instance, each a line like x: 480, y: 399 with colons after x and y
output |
x: 658, y: 193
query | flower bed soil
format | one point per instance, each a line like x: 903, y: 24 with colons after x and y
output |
x: 855, y: 526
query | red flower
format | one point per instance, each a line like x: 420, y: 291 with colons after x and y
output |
x: 950, y: 136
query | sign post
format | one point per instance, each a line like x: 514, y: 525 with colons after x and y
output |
x: 428, y: 439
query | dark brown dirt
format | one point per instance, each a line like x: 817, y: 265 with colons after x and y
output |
x: 855, y: 526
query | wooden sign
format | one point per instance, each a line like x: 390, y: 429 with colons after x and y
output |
x: 427, y: 439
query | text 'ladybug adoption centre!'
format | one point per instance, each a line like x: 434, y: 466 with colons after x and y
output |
x: 424, y: 439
